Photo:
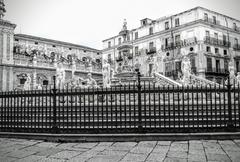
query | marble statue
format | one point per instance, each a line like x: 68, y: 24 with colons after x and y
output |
x: 90, y: 82
x: 27, y: 84
x: 186, y: 69
x: 238, y: 78
x: 232, y: 76
x: 106, y: 74
x: 60, y: 76
x: 124, y: 24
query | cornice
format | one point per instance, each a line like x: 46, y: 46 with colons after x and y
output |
x: 174, y: 29
x: 7, y: 24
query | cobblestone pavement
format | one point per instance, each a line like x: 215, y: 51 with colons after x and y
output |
x: 20, y: 150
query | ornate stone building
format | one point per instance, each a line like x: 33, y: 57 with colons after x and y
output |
x: 24, y: 56
x: 209, y: 39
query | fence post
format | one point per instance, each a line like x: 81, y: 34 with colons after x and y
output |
x: 139, y: 101
x: 229, y: 124
x: 55, y: 128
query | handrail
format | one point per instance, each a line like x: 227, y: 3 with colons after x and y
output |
x: 161, y: 78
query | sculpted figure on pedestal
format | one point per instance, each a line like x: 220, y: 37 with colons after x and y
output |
x: 90, y: 82
x: 106, y: 74
x: 60, y: 76
x: 27, y: 84
x: 186, y: 69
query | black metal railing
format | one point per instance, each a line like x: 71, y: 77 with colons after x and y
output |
x: 216, y: 42
x: 179, y: 44
x: 133, y: 108
x: 217, y: 71
x: 151, y: 50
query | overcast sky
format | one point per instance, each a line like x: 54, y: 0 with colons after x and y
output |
x: 88, y: 22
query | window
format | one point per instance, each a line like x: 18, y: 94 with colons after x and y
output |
x: 208, y: 49
x: 224, y: 39
x: 119, y: 40
x: 166, y: 25
x: 144, y: 22
x: 205, y: 16
x: 209, y: 64
x: 177, y: 38
x: 216, y: 36
x: 150, y: 30
x: 53, y: 45
x: 109, y: 56
x: 151, y: 45
x: 214, y: 20
x: 207, y: 33
x: 235, y: 41
x: 235, y: 26
x: 225, y: 52
x: 166, y: 41
x: 109, y: 44
x: 177, y: 22
x: 136, y: 50
x: 216, y: 50
x: 136, y: 35
x: 217, y: 65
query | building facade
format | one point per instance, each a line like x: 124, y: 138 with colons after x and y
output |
x: 23, y: 56
x: 208, y: 38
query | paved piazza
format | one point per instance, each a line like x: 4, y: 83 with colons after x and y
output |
x: 20, y: 150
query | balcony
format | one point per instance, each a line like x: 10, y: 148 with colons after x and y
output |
x: 216, y: 71
x: 119, y: 59
x: 211, y: 21
x: 151, y: 51
x: 179, y: 44
x: 236, y: 47
x: 217, y: 42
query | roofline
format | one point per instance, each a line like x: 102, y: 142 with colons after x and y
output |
x: 167, y: 17
x: 30, y: 37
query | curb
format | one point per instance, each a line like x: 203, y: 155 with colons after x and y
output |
x: 122, y: 137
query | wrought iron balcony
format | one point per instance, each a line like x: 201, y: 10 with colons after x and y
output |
x: 151, y: 50
x: 216, y: 71
x: 210, y: 20
x: 236, y: 47
x: 179, y: 44
x: 216, y: 42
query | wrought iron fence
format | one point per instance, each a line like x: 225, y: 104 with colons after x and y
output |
x: 127, y: 108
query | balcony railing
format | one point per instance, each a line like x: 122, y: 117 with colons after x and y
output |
x: 236, y: 47
x: 179, y: 44
x: 217, y: 71
x: 216, y: 42
x: 151, y: 50
x: 210, y: 20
